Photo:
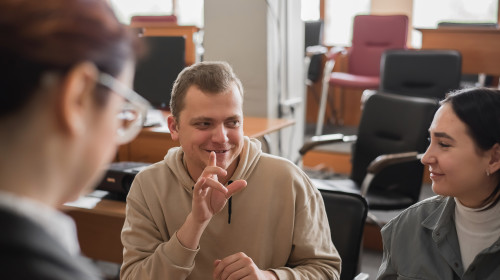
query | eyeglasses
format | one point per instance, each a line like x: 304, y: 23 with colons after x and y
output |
x: 134, y: 111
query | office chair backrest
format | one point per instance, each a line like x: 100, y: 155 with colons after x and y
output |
x: 423, y: 73
x: 371, y: 36
x: 393, y: 124
x: 313, y: 31
x: 346, y: 214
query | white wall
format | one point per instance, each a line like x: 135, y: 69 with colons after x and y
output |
x: 404, y: 7
x: 250, y: 35
x: 235, y: 31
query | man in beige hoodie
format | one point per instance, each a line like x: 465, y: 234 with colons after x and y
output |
x: 217, y: 207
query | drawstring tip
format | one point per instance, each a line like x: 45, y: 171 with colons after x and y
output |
x: 229, y: 210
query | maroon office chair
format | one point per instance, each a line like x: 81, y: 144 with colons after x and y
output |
x: 372, y: 35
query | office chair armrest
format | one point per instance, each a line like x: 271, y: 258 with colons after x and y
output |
x: 335, y: 52
x: 367, y: 93
x: 325, y: 139
x: 314, y: 50
x: 331, y: 56
x: 383, y: 161
x: 362, y: 276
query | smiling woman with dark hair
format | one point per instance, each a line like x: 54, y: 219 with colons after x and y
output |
x: 456, y: 234
x: 65, y: 67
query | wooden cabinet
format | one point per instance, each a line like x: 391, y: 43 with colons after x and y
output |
x: 480, y: 47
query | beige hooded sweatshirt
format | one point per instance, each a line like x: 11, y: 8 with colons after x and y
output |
x: 278, y: 220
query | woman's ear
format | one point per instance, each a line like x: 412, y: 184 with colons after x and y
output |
x: 494, y: 164
x: 173, y: 127
x: 76, y: 99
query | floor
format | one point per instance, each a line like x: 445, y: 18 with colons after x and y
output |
x: 370, y: 262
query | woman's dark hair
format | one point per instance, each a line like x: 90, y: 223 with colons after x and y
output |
x: 53, y: 36
x: 479, y: 109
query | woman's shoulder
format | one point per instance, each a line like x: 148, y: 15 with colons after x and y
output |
x: 419, y: 211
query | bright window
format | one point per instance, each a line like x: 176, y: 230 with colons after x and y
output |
x: 309, y: 10
x: 189, y: 12
x: 462, y: 11
x: 125, y: 9
x: 339, y: 16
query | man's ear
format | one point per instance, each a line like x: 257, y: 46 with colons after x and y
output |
x: 494, y: 165
x: 76, y: 99
x: 173, y: 127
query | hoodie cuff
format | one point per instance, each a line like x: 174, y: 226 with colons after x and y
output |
x: 178, y: 254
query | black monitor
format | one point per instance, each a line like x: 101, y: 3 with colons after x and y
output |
x: 156, y: 72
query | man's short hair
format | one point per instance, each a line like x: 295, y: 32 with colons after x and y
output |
x: 210, y: 77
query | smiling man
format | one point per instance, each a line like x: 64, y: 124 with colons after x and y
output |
x: 217, y: 207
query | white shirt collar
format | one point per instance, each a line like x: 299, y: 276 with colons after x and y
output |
x: 57, y: 224
x: 476, y: 217
x: 476, y: 230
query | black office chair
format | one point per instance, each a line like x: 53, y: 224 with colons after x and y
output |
x: 346, y: 214
x: 422, y: 73
x: 391, y: 137
x: 313, y: 32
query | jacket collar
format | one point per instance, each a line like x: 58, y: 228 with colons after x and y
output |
x: 439, y: 221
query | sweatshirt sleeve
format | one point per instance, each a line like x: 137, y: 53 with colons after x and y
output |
x: 146, y: 254
x: 313, y: 254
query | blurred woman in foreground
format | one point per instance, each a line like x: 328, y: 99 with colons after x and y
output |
x: 65, y: 106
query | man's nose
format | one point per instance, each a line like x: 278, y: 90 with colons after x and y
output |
x: 219, y: 134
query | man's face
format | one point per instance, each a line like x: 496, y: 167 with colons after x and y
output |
x: 210, y: 122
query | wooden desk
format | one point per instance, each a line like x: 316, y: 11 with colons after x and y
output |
x: 99, y: 226
x: 480, y: 48
x: 99, y: 229
x: 152, y: 144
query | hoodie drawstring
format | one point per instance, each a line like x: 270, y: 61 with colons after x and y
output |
x: 229, y: 204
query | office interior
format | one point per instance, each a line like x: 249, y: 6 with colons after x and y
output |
x: 264, y: 41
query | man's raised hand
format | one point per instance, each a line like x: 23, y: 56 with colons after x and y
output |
x: 209, y: 195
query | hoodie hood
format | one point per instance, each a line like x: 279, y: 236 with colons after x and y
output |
x: 247, y: 162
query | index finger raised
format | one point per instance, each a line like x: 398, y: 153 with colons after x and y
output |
x: 212, y: 159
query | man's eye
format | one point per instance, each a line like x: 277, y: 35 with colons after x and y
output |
x: 233, y: 124
x: 202, y: 124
